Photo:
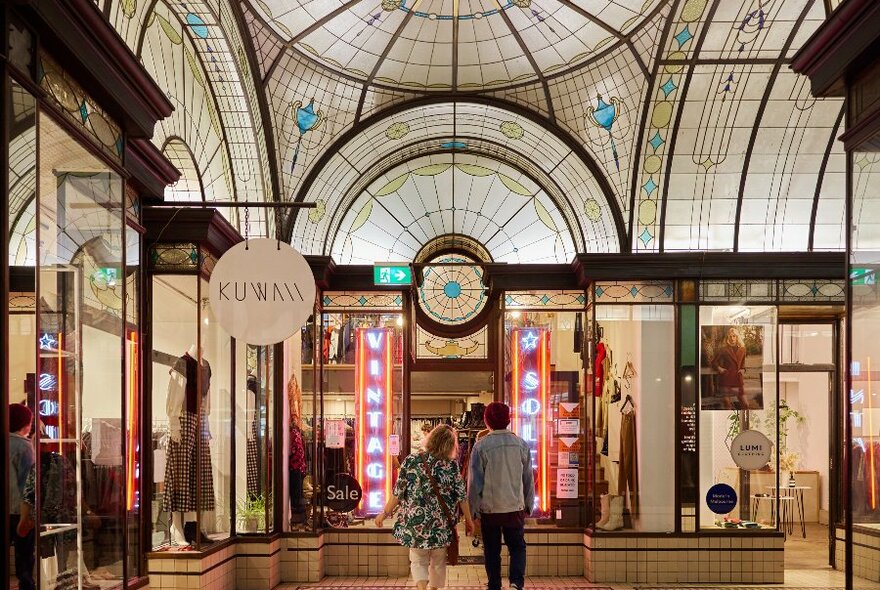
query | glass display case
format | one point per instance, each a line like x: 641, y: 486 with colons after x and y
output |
x: 544, y: 385
x: 80, y: 486
x: 191, y: 387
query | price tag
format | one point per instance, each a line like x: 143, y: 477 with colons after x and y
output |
x: 394, y: 445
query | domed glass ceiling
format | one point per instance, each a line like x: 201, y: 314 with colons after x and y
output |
x: 652, y: 125
x: 453, y: 44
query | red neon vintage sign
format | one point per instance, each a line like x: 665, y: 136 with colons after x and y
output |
x: 373, y: 372
x: 530, y: 387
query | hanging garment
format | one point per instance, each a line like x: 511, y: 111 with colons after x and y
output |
x: 334, y: 345
x: 188, y: 460
x: 628, y: 478
x: 614, y: 420
x: 599, y: 369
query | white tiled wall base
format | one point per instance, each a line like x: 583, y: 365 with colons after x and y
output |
x: 302, y: 558
x: 361, y: 554
x: 696, y: 560
x: 258, y: 563
x: 194, y: 571
x: 865, y: 553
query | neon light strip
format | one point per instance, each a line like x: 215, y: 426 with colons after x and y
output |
x: 60, y: 381
x: 516, y: 361
x: 131, y: 460
x: 871, y: 440
x: 360, y: 409
x: 542, y: 444
x: 388, y: 396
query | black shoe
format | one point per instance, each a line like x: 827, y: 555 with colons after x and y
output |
x: 189, y: 532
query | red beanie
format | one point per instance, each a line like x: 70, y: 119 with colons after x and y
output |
x: 19, y: 417
x: 497, y: 416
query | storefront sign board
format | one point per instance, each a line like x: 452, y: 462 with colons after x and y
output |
x: 530, y: 350
x: 344, y: 493
x: 751, y: 450
x: 372, y: 398
x: 262, y: 291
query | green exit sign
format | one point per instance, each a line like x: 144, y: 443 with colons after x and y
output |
x: 862, y: 276
x: 392, y: 274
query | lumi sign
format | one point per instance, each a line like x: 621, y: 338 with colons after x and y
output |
x: 262, y: 291
x: 373, y: 391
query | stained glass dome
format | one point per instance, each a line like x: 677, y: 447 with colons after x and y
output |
x: 453, y: 44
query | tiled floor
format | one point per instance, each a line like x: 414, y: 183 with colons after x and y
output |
x: 471, y: 578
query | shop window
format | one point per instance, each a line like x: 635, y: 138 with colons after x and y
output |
x: 133, y: 399
x: 864, y: 393
x: 544, y: 386
x: 254, y: 419
x: 192, y: 416
x: 633, y: 434
x: 361, y: 361
x: 80, y: 489
x: 737, y: 393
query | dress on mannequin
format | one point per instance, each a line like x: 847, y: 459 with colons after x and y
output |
x: 252, y: 451
x: 188, y: 476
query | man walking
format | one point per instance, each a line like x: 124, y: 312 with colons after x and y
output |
x: 501, y: 491
x: 21, y: 461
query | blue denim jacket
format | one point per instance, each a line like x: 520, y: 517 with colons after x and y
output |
x: 500, y: 476
x: 21, y: 461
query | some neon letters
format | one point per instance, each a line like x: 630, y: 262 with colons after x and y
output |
x: 530, y: 387
x: 373, y: 371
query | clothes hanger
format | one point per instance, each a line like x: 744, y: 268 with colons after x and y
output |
x: 628, y: 400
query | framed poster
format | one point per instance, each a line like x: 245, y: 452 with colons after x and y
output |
x: 731, y: 367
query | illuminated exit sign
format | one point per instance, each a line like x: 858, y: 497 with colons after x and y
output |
x: 385, y: 273
x: 373, y: 371
x: 530, y: 351
x: 862, y: 276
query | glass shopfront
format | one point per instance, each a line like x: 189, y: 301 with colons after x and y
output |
x: 864, y: 389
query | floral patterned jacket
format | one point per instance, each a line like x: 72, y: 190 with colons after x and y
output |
x: 421, y: 523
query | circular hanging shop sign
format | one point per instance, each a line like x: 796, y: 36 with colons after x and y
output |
x: 721, y: 498
x: 344, y: 493
x: 750, y: 450
x: 262, y: 291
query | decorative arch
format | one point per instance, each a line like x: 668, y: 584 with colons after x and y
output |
x: 478, y: 125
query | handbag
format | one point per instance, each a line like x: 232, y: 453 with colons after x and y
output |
x: 452, y: 549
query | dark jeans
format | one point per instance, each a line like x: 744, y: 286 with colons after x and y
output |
x: 295, y: 482
x: 24, y: 554
x: 512, y: 529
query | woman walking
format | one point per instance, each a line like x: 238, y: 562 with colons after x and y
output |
x: 429, y: 489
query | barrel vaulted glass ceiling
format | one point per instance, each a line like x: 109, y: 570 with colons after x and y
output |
x: 622, y: 125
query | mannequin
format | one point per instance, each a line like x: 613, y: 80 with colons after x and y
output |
x: 252, y: 451
x: 187, y: 407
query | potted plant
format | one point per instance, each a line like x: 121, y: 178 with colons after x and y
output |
x: 251, y: 513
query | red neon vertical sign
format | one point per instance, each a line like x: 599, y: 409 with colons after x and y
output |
x: 373, y: 372
x: 131, y: 466
x: 530, y: 387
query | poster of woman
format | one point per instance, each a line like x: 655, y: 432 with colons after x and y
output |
x: 731, y: 367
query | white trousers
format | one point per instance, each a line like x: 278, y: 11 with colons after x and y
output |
x: 430, y: 565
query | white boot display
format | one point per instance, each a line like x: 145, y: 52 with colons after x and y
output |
x: 615, y: 518
x: 605, y: 509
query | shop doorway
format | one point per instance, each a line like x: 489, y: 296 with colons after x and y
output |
x: 809, y: 429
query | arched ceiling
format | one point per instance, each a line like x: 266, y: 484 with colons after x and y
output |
x: 431, y: 196
x: 692, y: 130
x: 452, y: 44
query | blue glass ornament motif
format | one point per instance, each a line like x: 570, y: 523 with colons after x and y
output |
x: 306, y: 120
x: 604, y: 115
